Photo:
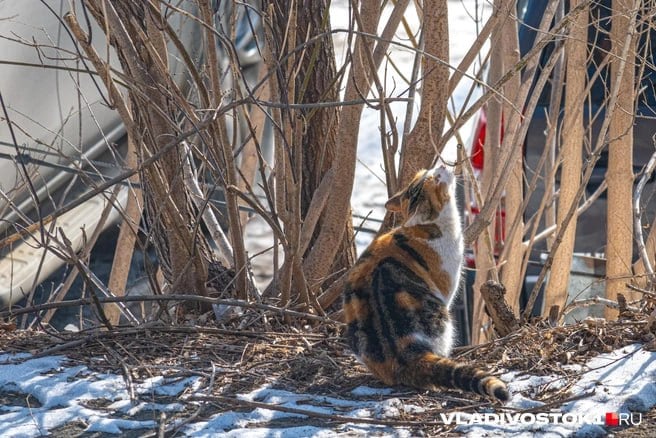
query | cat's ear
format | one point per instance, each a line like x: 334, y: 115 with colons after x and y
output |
x: 394, y: 203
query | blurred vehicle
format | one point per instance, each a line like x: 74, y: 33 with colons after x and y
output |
x: 591, y: 229
x: 64, y: 138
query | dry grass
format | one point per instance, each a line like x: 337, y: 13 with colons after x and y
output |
x: 231, y: 361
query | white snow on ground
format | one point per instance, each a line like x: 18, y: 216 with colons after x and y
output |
x: 63, y: 391
x: 53, y: 392
x: 618, y: 382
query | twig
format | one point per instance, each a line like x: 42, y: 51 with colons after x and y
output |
x: 333, y: 292
x: 172, y: 297
x: 558, y: 403
x: 161, y: 429
x: 62, y: 347
x: 641, y: 290
x: 595, y: 300
x: 95, y: 336
x: 637, y: 223
x: 173, y: 428
x: 313, y: 414
x: 127, y: 375
x: 83, y: 269
x: 224, y: 249
x: 478, y: 197
x: 467, y: 349
x: 223, y: 151
x: 113, y: 181
x: 61, y: 293
x: 548, y: 231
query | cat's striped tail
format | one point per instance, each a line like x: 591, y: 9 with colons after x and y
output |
x: 428, y: 370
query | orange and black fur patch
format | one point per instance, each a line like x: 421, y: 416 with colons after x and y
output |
x: 397, y: 296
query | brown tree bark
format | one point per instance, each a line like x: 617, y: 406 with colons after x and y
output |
x: 337, y: 182
x: 307, y: 77
x: 619, y: 247
x: 317, y: 82
x: 126, y: 240
x: 511, y: 264
x: 486, y: 269
x: 421, y: 145
x: 572, y: 162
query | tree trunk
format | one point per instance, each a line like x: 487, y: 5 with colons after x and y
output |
x: 511, y: 265
x: 317, y: 82
x: 338, y: 181
x: 420, y: 147
x: 619, y: 248
x: 313, y: 78
x: 572, y: 162
x: 484, y: 254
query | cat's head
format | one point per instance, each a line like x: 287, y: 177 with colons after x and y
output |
x: 425, y: 197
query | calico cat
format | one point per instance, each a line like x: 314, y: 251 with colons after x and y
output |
x: 398, y: 294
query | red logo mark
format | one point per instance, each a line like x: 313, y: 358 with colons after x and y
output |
x: 612, y: 419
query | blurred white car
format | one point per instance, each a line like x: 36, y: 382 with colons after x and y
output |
x: 62, y: 123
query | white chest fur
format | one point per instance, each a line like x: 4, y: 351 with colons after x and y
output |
x: 450, y: 247
x: 450, y: 251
